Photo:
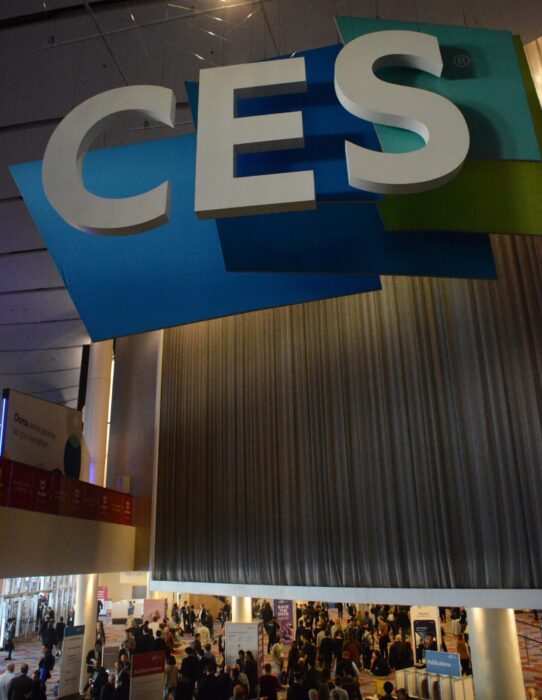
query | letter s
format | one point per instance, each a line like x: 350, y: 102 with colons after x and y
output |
x: 437, y: 120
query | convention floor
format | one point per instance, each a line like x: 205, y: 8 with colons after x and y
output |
x: 531, y: 654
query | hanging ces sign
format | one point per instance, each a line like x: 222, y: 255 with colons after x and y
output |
x: 410, y: 124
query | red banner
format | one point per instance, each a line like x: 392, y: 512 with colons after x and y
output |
x: 5, y: 476
x: 21, y: 487
x: 44, y: 491
x: 148, y: 663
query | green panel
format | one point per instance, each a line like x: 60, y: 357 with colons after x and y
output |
x: 486, y: 196
x: 481, y: 76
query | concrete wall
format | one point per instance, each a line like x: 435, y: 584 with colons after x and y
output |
x: 39, y: 543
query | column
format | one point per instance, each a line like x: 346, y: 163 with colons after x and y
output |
x: 496, y: 662
x: 96, y: 411
x: 86, y: 600
x: 241, y: 609
x: 93, y: 470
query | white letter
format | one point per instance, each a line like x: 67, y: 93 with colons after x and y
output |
x: 62, y: 172
x: 437, y: 120
x: 221, y: 136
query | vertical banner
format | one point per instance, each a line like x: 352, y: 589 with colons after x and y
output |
x: 426, y: 633
x: 284, y: 612
x: 72, y: 656
x: 147, y: 681
x: 243, y: 635
x: 153, y: 607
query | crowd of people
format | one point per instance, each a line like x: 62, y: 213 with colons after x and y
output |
x: 324, y: 660
x: 32, y: 686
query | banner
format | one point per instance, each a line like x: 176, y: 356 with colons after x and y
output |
x: 443, y: 663
x: 426, y: 632
x: 148, y: 676
x: 72, y: 655
x: 244, y: 635
x: 40, y: 433
x: 153, y: 607
x: 284, y: 612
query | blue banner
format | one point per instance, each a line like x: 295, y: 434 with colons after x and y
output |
x: 74, y: 631
x: 443, y: 663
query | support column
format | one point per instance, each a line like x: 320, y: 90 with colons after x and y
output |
x: 495, y: 657
x: 96, y: 410
x: 93, y: 470
x: 86, y: 597
x: 241, y: 609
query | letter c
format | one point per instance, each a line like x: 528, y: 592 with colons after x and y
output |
x: 62, y: 171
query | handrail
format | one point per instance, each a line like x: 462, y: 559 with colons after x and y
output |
x: 530, y: 624
x: 531, y: 639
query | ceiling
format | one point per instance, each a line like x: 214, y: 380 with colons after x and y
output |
x: 56, y: 53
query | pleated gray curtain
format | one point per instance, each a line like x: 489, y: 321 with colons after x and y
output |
x: 391, y: 439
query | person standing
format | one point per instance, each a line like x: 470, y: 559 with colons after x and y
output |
x: 10, y: 637
x: 340, y: 611
x: 38, y: 693
x: 272, y: 627
x: 20, y: 687
x: 269, y: 684
x: 60, y: 629
x: 5, y: 681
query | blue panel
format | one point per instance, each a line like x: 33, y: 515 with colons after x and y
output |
x: 169, y: 276
x: 443, y: 663
x: 326, y: 126
x: 349, y: 238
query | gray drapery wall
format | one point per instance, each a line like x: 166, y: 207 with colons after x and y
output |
x: 391, y: 439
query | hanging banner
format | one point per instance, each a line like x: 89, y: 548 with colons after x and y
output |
x: 244, y: 635
x: 153, y: 608
x: 40, y: 433
x: 284, y: 612
x: 148, y: 676
x: 72, y: 654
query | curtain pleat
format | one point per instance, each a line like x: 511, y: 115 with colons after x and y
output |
x: 391, y: 439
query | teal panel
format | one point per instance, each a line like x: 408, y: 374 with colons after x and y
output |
x: 481, y: 76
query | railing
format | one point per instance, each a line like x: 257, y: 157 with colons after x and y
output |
x: 532, y: 634
x: 50, y: 492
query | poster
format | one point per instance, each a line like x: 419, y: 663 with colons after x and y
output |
x: 244, y: 635
x: 426, y: 632
x: 41, y: 434
x: 72, y: 655
x: 284, y: 612
x: 147, y: 681
x: 153, y: 607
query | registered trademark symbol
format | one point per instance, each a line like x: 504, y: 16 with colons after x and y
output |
x: 461, y: 60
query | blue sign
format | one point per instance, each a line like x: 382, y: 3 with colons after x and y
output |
x: 172, y: 275
x: 443, y: 663
x: 74, y: 631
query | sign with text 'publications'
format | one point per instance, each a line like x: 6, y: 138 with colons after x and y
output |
x: 72, y: 654
x: 443, y: 663
x: 147, y: 682
x: 40, y: 433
